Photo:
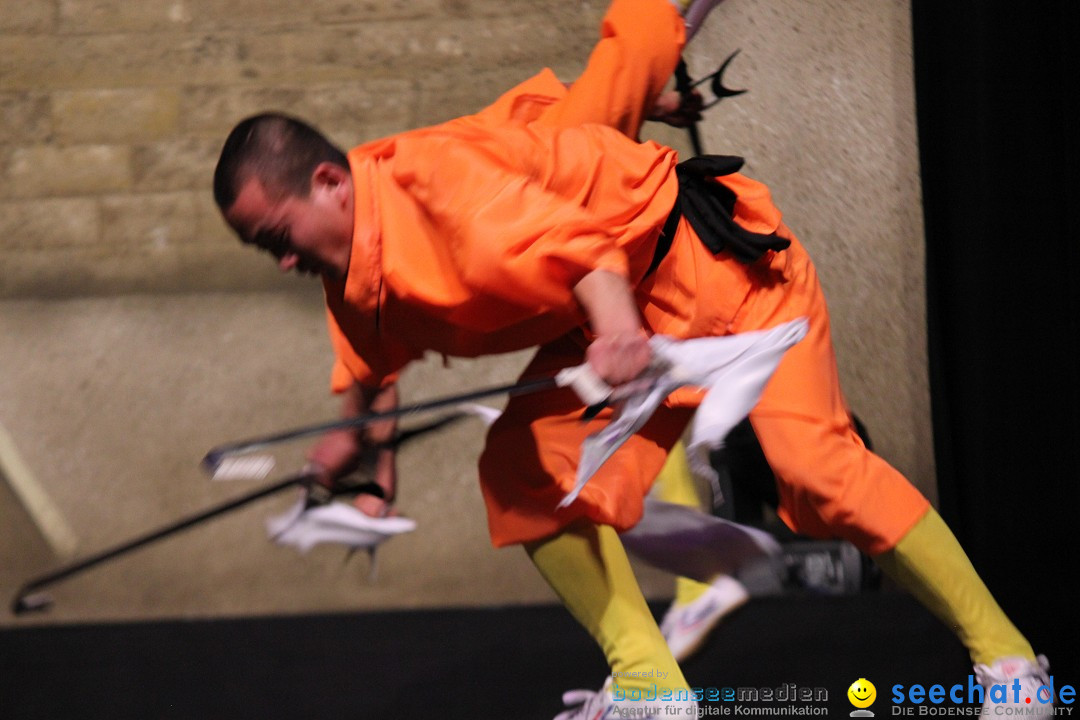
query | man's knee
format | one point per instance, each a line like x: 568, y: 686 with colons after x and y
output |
x: 844, y: 490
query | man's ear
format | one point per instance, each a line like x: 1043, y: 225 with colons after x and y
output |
x: 329, y: 176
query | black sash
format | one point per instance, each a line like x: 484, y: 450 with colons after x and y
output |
x: 709, y: 207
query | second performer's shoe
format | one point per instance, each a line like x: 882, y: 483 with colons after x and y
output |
x: 613, y: 702
x: 686, y: 626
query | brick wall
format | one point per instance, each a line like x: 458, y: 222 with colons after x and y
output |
x: 112, y: 114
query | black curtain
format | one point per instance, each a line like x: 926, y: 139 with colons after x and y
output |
x: 997, y: 103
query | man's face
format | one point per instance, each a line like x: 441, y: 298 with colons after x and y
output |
x: 311, y: 235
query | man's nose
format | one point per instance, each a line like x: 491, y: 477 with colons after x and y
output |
x: 288, y: 262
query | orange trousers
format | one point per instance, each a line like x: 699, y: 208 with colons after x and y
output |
x: 829, y: 484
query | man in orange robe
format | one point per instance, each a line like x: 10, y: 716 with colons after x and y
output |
x: 542, y: 221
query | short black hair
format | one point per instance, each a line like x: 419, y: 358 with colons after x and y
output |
x: 280, y: 150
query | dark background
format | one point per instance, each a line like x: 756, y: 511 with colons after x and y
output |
x: 997, y: 103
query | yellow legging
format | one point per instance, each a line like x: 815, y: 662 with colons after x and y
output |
x: 929, y: 562
x: 588, y: 568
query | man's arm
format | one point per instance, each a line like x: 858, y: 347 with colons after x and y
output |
x: 342, y: 451
x: 620, y: 351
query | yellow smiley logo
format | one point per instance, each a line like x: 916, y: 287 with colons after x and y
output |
x: 862, y: 693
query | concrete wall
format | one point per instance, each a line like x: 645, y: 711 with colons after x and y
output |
x: 135, y: 333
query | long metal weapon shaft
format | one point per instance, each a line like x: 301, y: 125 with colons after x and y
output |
x: 214, y: 458
x: 29, y: 597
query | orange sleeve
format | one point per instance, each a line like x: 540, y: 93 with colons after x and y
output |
x: 640, y: 43
x: 350, y: 367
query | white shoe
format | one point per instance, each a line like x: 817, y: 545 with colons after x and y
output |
x: 587, y: 704
x: 334, y: 523
x: 1015, y: 682
x: 685, y: 627
x: 590, y: 705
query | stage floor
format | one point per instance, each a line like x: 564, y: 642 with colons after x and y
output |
x: 491, y: 664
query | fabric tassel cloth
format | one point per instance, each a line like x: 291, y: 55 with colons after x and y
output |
x: 733, y: 370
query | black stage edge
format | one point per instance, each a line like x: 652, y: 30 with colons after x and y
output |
x: 490, y: 664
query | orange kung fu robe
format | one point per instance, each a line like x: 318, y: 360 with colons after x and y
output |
x: 468, y: 239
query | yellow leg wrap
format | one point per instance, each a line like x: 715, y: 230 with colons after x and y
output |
x: 588, y: 568
x: 929, y: 562
x: 675, y: 484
